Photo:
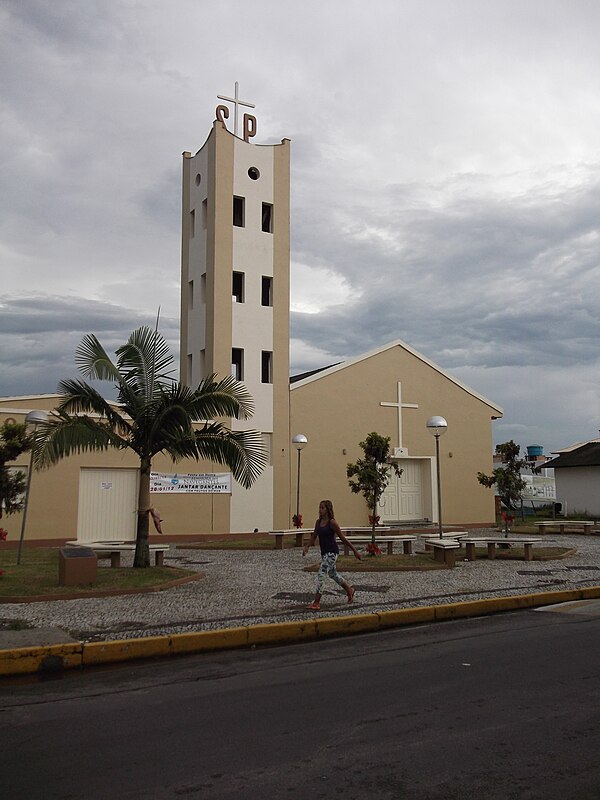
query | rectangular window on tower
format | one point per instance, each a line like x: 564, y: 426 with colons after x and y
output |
x: 267, y: 218
x: 266, y: 296
x: 237, y: 363
x: 204, y: 213
x: 238, y: 211
x: 190, y: 295
x: 237, y: 289
x: 192, y: 223
x: 266, y: 367
x: 267, y: 442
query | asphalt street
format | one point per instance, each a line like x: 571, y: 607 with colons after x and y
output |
x: 480, y: 709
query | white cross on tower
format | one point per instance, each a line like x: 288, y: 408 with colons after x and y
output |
x: 236, y: 102
x: 399, y: 405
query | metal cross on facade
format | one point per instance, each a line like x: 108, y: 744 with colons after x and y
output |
x: 236, y: 103
x: 399, y: 405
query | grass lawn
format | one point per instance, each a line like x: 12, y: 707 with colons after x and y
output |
x: 37, y: 574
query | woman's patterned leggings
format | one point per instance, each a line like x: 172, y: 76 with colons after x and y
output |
x: 328, y: 568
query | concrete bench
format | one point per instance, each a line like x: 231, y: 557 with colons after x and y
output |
x: 584, y: 525
x: 444, y: 550
x: 471, y: 543
x: 297, y: 533
x: 113, y: 550
x: 429, y: 535
x: 406, y: 539
x: 358, y: 530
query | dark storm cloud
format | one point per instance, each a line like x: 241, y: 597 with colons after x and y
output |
x: 40, y: 334
x: 474, y: 281
x: 444, y: 180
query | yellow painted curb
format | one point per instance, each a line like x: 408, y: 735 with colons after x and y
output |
x: 26, y: 660
x: 340, y: 626
x: 591, y: 593
x: 125, y: 650
x: 550, y: 598
x: 282, y: 632
x: 200, y: 641
x: 472, y: 608
x: 406, y: 616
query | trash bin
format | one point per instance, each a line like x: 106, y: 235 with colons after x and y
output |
x: 77, y: 566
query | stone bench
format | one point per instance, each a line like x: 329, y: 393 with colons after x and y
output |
x: 444, y: 550
x: 389, y: 540
x: 584, y: 525
x: 297, y: 533
x: 471, y: 543
x: 430, y: 535
x: 113, y: 550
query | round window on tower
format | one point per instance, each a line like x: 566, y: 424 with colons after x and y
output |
x: 198, y: 179
x: 253, y: 174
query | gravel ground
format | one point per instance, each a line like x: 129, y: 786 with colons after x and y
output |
x: 251, y: 586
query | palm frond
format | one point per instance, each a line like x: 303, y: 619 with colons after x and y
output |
x: 64, y: 435
x: 242, y: 451
x: 225, y: 398
x: 78, y: 397
x: 144, y: 360
x: 93, y: 362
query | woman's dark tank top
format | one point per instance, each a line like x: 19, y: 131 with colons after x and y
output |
x: 327, y: 539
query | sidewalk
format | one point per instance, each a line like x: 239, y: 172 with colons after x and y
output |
x: 244, y: 597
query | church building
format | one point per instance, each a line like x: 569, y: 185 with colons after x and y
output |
x: 235, y: 316
x: 235, y: 319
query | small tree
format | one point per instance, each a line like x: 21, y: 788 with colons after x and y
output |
x: 507, y: 478
x: 14, y: 441
x: 370, y: 475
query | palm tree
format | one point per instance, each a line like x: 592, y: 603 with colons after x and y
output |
x: 154, y: 413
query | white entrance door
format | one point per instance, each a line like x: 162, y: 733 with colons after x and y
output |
x: 403, y: 498
x: 107, y: 505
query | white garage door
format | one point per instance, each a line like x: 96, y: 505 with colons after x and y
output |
x: 107, y: 505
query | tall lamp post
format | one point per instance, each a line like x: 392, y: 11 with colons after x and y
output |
x: 437, y: 426
x: 299, y: 441
x: 34, y: 418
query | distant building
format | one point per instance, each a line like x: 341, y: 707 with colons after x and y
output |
x: 577, y: 474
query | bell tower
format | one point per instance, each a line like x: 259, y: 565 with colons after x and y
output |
x: 235, y: 289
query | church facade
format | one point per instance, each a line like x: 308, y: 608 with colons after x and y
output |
x: 394, y: 390
x: 235, y: 319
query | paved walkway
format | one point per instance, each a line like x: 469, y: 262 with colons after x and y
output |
x: 250, y: 587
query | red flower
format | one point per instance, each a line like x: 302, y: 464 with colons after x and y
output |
x: 297, y: 520
x: 373, y: 549
x: 3, y: 534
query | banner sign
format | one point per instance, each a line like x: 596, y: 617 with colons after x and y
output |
x: 538, y: 488
x: 201, y: 483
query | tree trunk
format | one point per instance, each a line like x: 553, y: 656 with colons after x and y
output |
x: 142, y: 550
x: 374, y: 523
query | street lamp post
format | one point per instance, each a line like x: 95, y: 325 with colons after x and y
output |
x: 34, y: 417
x: 299, y: 441
x: 437, y: 426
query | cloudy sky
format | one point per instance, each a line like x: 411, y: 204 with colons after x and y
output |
x: 445, y: 182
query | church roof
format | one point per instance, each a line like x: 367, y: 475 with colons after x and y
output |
x: 317, y: 374
x: 586, y: 455
x: 303, y: 375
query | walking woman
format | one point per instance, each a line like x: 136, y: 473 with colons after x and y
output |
x: 326, y: 528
